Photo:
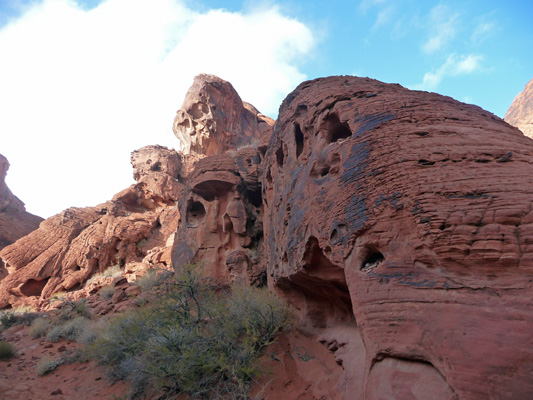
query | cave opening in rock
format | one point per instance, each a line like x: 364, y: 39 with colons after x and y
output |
x: 195, y: 213
x: 299, y: 139
x: 372, y: 259
x: 335, y: 130
x: 319, y: 290
x: 33, y: 287
x: 280, y: 157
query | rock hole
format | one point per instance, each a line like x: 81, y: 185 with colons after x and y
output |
x: 426, y: 162
x: 33, y: 287
x: 321, y: 288
x: 299, y: 139
x: 195, y: 213
x: 280, y: 157
x: 198, y: 110
x: 372, y: 260
x: 335, y: 130
x: 156, y: 167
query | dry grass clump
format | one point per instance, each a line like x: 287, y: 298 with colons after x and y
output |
x: 7, y: 350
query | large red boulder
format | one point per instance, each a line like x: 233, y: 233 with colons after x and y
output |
x: 399, y: 224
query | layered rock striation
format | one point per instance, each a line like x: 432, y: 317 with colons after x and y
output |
x: 400, y: 224
x: 68, y: 248
x: 15, y: 221
x: 520, y: 113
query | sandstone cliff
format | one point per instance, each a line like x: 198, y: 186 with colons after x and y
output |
x: 15, y: 221
x: 73, y: 245
x: 397, y: 223
x: 520, y: 113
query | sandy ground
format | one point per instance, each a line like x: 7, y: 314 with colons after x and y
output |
x: 19, y: 378
x: 297, y: 367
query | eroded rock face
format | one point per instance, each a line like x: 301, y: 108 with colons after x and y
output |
x: 71, y: 246
x: 399, y: 223
x: 221, y: 218
x: 213, y: 118
x: 15, y: 221
x: 520, y: 113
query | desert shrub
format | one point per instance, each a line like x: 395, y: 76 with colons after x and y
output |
x: 197, y: 339
x: 58, y: 296
x: 152, y: 279
x: 47, y: 365
x: 55, y: 334
x: 113, y: 271
x: 7, y: 318
x: 7, y: 350
x: 39, y: 327
x: 72, y: 329
x: 18, y: 315
x: 71, y: 309
x: 106, y: 292
x: 90, y: 332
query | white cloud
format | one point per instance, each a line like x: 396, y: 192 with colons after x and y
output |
x: 454, y: 66
x: 443, y: 24
x: 384, y: 16
x: 365, y: 5
x: 83, y: 88
x: 483, y: 31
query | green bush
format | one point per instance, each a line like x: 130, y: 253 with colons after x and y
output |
x: 47, y: 365
x: 198, y: 339
x: 19, y: 315
x: 152, y: 279
x: 7, y: 318
x: 7, y: 350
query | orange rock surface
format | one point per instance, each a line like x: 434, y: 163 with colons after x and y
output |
x: 73, y: 245
x: 15, y: 221
x: 403, y: 219
x: 213, y: 118
x: 520, y: 113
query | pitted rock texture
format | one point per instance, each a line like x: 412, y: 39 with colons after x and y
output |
x: 15, y: 221
x: 221, y: 211
x: 213, y: 119
x: 404, y: 220
x: 520, y: 113
x: 137, y: 225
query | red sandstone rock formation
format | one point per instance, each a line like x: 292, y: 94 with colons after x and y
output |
x: 15, y: 221
x: 73, y: 245
x: 221, y: 225
x: 400, y: 224
x: 520, y: 114
x: 213, y: 118
x: 221, y: 206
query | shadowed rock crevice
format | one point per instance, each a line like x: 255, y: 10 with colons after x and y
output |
x: 33, y: 287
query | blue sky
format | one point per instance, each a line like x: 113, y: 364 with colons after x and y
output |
x: 86, y: 82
